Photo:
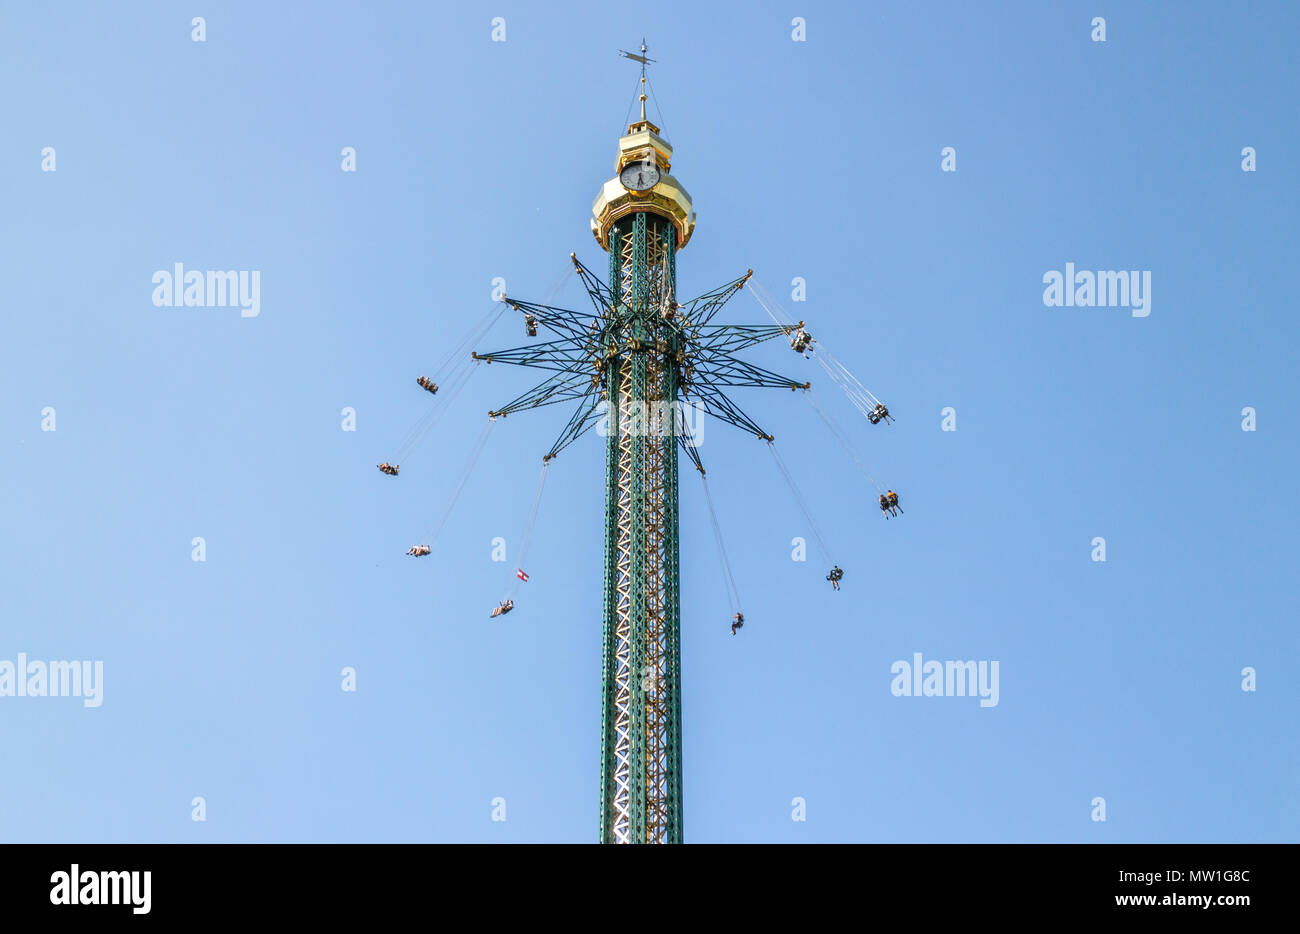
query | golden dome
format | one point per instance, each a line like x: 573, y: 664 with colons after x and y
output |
x: 667, y: 197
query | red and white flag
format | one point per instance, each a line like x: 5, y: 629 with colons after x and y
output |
x: 522, y: 576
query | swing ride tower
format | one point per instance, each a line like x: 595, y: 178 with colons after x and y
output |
x: 634, y: 366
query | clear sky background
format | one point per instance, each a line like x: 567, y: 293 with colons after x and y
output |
x: 818, y: 159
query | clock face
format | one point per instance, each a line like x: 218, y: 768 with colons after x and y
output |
x: 639, y: 176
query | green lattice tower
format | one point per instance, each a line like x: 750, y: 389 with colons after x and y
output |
x: 641, y: 713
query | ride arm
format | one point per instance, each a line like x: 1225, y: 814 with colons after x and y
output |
x: 601, y: 298
x: 701, y: 309
x: 562, y: 321
x: 561, y: 388
x: 718, y: 405
x: 726, y: 370
x: 733, y: 338
x: 564, y: 355
x: 588, y: 413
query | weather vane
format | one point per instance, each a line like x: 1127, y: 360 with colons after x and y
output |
x: 644, y: 61
x: 638, y: 58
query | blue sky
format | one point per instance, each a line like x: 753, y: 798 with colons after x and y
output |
x: 817, y: 159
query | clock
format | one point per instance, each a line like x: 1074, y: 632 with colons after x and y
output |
x: 639, y: 176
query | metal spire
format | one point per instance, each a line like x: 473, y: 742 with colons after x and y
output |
x: 644, y: 61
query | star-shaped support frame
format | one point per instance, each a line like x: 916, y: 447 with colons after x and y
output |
x: 706, y: 361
